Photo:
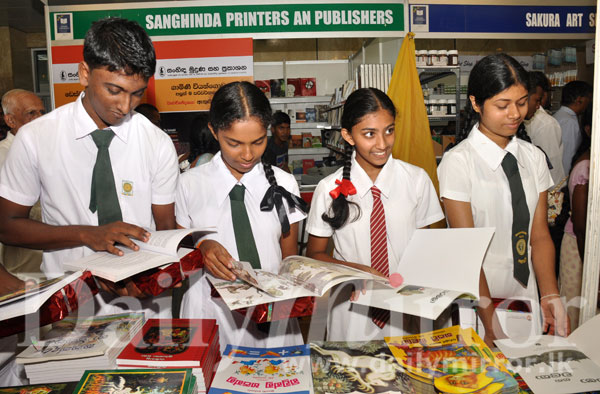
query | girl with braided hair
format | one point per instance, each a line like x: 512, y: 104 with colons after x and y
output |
x: 254, y: 208
x: 348, y: 206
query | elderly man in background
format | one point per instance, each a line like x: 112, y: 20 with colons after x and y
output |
x: 20, y: 107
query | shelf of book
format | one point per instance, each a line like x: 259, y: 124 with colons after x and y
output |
x: 299, y: 99
x: 308, y: 151
x: 309, y: 125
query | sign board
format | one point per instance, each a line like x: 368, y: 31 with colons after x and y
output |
x: 254, y: 19
x: 473, y: 20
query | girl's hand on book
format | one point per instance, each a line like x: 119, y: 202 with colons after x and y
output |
x: 106, y: 237
x: 359, y: 287
x: 555, y: 319
x: 217, y: 259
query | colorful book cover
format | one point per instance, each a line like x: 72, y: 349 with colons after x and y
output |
x: 311, y: 115
x: 136, y: 381
x: 308, y: 86
x: 452, y: 360
x: 264, y: 86
x: 356, y: 367
x: 51, y: 388
x: 263, y: 370
x: 294, y: 87
x: 170, y: 342
x: 75, y: 337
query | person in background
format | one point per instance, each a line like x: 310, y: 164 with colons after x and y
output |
x: 203, y: 145
x: 492, y: 179
x: 4, y: 128
x: 573, y: 242
x: 276, y: 153
x: 370, y: 209
x: 542, y: 128
x: 150, y: 112
x: 229, y: 193
x: 20, y: 107
x: 576, y: 96
x: 103, y: 173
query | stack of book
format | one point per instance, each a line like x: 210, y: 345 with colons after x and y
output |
x: 138, y: 381
x: 76, y: 344
x: 175, y: 343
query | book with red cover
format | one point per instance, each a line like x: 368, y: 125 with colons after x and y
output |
x: 308, y: 87
x: 170, y: 343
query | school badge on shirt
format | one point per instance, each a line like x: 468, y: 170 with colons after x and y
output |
x: 127, y: 188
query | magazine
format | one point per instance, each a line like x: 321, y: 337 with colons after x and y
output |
x: 451, y: 360
x: 298, y: 276
x: 24, y: 302
x: 263, y: 370
x: 438, y: 266
x: 136, y: 381
x: 458, y: 254
x: 161, y: 249
x: 357, y: 367
x: 555, y: 365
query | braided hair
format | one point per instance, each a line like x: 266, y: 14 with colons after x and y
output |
x: 359, y: 104
x: 241, y: 100
x: 492, y: 75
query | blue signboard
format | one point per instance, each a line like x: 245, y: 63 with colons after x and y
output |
x: 467, y: 18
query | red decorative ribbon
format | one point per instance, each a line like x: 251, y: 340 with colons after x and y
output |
x: 345, y: 187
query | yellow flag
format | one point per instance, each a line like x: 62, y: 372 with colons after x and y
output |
x: 413, y: 142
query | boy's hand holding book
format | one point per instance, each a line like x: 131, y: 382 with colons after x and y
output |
x: 106, y: 237
x: 217, y: 259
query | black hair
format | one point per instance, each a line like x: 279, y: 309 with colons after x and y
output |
x: 119, y: 44
x: 360, y: 103
x: 574, y: 90
x: 538, y: 78
x: 241, y: 100
x: 201, y: 139
x: 491, y: 75
x: 586, y: 140
x: 280, y: 118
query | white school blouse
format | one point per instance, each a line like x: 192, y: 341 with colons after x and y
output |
x: 52, y: 159
x: 472, y: 172
x: 409, y: 201
x: 203, y: 201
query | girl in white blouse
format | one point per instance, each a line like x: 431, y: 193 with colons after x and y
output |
x: 239, y: 116
x: 343, y: 202
x: 476, y: 193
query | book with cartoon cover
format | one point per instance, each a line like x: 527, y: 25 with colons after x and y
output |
x: 245, y: 370
x: 452, y: 360
x: 136, y: 381
x: 357, y: 367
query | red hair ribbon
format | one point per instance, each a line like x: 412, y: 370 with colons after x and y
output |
x: 345, y: 187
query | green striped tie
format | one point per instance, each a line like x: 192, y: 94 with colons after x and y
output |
x: 244, y: 239
x: 104, y: 194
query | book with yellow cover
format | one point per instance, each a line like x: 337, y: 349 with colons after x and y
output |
x: 452, y: 360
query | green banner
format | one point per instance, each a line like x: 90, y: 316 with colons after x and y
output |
x: 240, y: 19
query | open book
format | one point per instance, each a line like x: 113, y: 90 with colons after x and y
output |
x: 554, y: 365
x: 438, y: 266
x: 26, y: 301
x: 160, y: 249
x: 455, y: 255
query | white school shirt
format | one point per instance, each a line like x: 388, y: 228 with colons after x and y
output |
x: 546, y: 133
x: 5, y: 147
x: 472, y: 172
x: 203, y: 201
x: 410, y: 202
x: 52, y: 159
x: 571, y: 134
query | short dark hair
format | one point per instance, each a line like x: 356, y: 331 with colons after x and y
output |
x: 280, y: 118
x: 146, y: 109
x: 119, y: 44
x: 573, y: 90
x: 538, y: 78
